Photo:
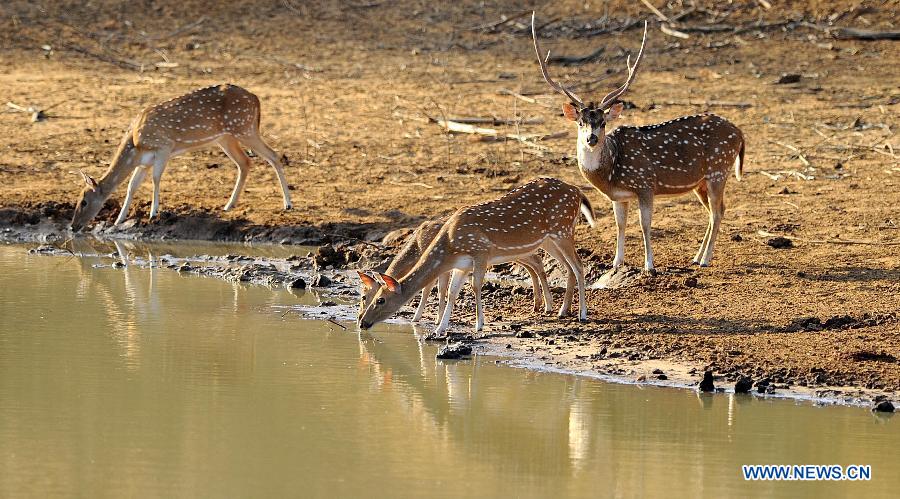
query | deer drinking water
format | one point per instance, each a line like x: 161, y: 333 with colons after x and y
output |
x: 691, y: 153
x: 538, y: 215
x: 413, y: 249
x: 225, y: 115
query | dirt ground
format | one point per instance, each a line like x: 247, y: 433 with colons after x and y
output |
x: 347, y: 89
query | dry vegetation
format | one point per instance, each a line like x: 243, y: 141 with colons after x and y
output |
x: 347, y: 91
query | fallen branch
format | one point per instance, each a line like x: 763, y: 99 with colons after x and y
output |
x: 796, y: 150
x: 453, y: 126
x: 501, y: 22
x: 496, y: 121
x: 575, y: 60
x: 708, y: 103
x: 414, y: 184
x: 854, y: 33
x: 656, y: 12
x: 673, y: 32
x: 492, y: 135
x: 866, y: 34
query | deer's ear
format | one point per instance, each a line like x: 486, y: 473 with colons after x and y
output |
x: 614, y: 111
x: 570, y: 112
x: 390, y: 283
x: 89, y: 180
x: 368, y: 281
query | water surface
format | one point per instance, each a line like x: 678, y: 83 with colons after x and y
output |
x: 147, y: 382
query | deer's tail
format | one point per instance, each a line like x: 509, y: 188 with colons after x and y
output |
x: 587, y: 210
x: 739, y: 163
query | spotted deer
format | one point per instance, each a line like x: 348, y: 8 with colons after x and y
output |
x: 413, y: 249
x: 538, y: 215
x: 690, y: 153
x: 225, y: 115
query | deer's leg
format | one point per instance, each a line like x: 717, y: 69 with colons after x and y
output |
x: 443, y: 284
x: 233, y: 150
x: 479, y: 268
x: 717, y: 210
x: 159, y: 165
x: 572, y: 280
x: 645, y: 203
x: 620, y: 210
x: 259, y: 146
x: 140, y: 173
x: 535, y: 286
x: 456, y: 282
x: 539, y: 284
x: 567, y: 249
x: 422, y: 302
x: 702, y: 195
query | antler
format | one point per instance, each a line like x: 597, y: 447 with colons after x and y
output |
x: 632, y: 71
x: 555, y: 86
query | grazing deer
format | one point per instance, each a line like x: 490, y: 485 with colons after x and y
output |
x: 691, y: 153
x: 415, y: 247
x: 539, y: 214
x: 225, y: 115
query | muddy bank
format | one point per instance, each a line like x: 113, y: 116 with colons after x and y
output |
x: 602, y: 348
x: 49, y: 221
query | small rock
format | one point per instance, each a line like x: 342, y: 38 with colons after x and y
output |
x: 737, y: 237
x: 743, y: 385
x: 321, y: 281
x: 690, y: 282
x: 327, y: 256
x: 884, y: 406
x: 298, y: 283
x: 657, y: 371
x: 454, y: 351
x: 328, y: 303
x: 707, y: 384
x: 524, y: 334
x: 788, y: 78
x: 662, y: 377
x: 118, y: 265
x: 185, y: 268
x: 780, y: 242
x: 641, y: 378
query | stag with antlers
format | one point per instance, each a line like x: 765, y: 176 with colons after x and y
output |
x: 690, y: 153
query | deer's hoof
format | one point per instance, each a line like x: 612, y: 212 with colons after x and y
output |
x: 288, y: 207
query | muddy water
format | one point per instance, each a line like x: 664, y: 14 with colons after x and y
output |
x: 146, y: 382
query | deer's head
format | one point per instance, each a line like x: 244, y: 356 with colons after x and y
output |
x: 370, y: 287
x: 89, y: 203
x: 591, y: 118
x: 386, y: 301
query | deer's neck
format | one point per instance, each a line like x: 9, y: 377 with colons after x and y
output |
x: 121, y: 166
x: 436, y: 260
x: 405, y: 260
x: 596, y: 160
